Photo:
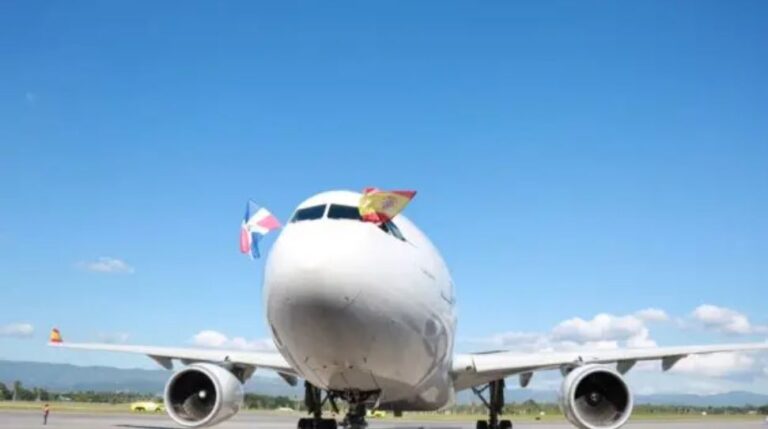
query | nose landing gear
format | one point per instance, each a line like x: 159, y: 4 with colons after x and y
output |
x: 495, y: 405
x: 355, y: 418
x: 358, y: 401
x: 314, y: 401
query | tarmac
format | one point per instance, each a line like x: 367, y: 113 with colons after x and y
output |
x: 29, y: 419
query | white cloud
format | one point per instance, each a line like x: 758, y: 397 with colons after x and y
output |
x: 17, y: 330
x: 602, y: 332
x: 114, y: 337
x: 641, y: 340
x: 209, y: 339
x: 725, y: 320
x: 652, y: 315
x: 716, y: 365
x: 215, y: 339
x: 694, y: 374
x: 606, y: 331
x: 106, y: 264
x: 604, y: 327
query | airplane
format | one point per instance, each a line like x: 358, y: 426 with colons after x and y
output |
x: 366, y: 313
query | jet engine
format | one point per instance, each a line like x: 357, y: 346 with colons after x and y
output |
x: 595, y: 397
x: 203, y: 394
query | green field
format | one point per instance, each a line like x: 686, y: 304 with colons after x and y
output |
x: 86, y: 407
x: 65, y: 406
x: 559, y: 417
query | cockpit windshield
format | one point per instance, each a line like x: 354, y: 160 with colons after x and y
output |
x: 309, y: 213
x: 337, y: 211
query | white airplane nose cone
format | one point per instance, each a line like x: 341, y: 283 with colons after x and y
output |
x: 318, y: 267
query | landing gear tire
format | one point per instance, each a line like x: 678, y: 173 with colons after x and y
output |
x: 503, y: 424
x: 311, y: 423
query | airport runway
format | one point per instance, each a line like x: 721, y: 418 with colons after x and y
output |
x: 27, y: 420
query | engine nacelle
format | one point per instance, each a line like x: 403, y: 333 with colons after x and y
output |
x: 203, y: 394
x: 595, y: 397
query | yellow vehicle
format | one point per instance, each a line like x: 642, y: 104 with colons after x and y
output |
x: 376, y: 414
x: 147, y: 406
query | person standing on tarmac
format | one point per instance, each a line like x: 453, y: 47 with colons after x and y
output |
x: 46, y: 411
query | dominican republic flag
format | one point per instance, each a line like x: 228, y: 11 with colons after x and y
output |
x: 257, y: 223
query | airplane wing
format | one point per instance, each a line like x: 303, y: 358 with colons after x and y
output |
x: 470, y: 370
x: 166, y: 355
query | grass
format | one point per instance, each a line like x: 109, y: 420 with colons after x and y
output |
x: 72, y: 407
x: 87, y: 407
x: 557, y: 417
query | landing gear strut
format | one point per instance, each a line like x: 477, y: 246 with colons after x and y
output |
x: 495, y: 405
x: 355, y: 418
x: 313, y: 399
x: 357, y: 400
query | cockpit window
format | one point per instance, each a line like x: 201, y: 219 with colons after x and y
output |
x: 337, y: 211
x: 309, y: 213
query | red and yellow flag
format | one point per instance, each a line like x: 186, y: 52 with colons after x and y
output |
x: 55, y: 336
x: 380, y: 206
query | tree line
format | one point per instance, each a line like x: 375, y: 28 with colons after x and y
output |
x: 17, y: 392
x: 531, y: 407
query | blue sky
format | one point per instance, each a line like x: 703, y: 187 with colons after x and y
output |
x: 571, y: 160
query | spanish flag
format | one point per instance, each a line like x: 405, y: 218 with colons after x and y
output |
x: 55, y: 336
x: 380, y: 206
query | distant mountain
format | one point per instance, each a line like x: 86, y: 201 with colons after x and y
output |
x: 729, y: 399
x: 63, y: 377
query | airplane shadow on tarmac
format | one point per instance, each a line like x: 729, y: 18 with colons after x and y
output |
x: 145, y: 427
x: 128, y: 426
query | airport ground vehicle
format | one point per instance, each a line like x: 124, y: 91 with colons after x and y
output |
x: 147, y: 406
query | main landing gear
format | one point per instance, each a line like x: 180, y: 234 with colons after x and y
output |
x: 313, y: 399
x: 495, y: 405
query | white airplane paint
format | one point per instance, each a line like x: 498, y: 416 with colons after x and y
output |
x: 367, y: 314
x: 354, y: 307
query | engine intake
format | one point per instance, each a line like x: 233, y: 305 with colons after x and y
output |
x: 203, y: 394
x: 595, y: 397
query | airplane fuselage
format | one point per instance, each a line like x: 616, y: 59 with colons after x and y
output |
x: 356, y: 307
x: 365, y: 313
